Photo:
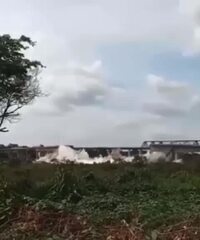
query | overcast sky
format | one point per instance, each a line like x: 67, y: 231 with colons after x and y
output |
x: 118, y: 71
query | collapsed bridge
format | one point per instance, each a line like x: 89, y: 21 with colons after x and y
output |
x: 173, y: 149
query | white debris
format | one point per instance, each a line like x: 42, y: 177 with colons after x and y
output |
x: 83, y: 155
x: 155, y: 157
x: 128, y: 159
x: 99, y: 159
x: 146, y: 155
x: 178, y: 161
x: 66, y: 154
x: 85, y: 161
x: 48, y: 158
x: 109, y: 159
x: 116, y: 155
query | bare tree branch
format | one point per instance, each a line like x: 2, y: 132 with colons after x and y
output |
x: 4, y: 129
x: 4, y: 114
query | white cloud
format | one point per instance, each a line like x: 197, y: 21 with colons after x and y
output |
x: 100, y: 20
x: 191, y: 10
x: 116, y: 125
x: 170, y: 111
x: 77, y: 26
x: 83, y: 107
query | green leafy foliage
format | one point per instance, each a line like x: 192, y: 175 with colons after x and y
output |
x: 19, y: 84
x: 156, y: 195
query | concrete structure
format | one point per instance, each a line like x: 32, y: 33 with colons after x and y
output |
x: 29, y: 154
x: 16, y: 154
x: 94, y: 151
x: 174, y: 151
x: 147, y: 144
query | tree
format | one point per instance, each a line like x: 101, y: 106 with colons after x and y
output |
x: 19, y: 84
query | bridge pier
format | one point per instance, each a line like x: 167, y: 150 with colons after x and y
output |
x: 175, y: 155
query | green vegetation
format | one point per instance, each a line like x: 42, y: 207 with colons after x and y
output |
x: 19, y: 84
x: 149, y: 197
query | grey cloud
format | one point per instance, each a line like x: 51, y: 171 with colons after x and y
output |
x: 85, y: 97
x: 139, y: 122
x: 76, y: 86
x: 173, y: 99
x: 172, y: 90
x: 165, y: 110
x: 140, y: 128
x: 168, y: 136
x: 79, y: 86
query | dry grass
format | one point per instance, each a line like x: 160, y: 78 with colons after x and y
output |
x: 187, y: 230
x: 30, y: 222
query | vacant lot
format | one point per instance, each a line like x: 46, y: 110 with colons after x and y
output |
x: 122, y: 201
